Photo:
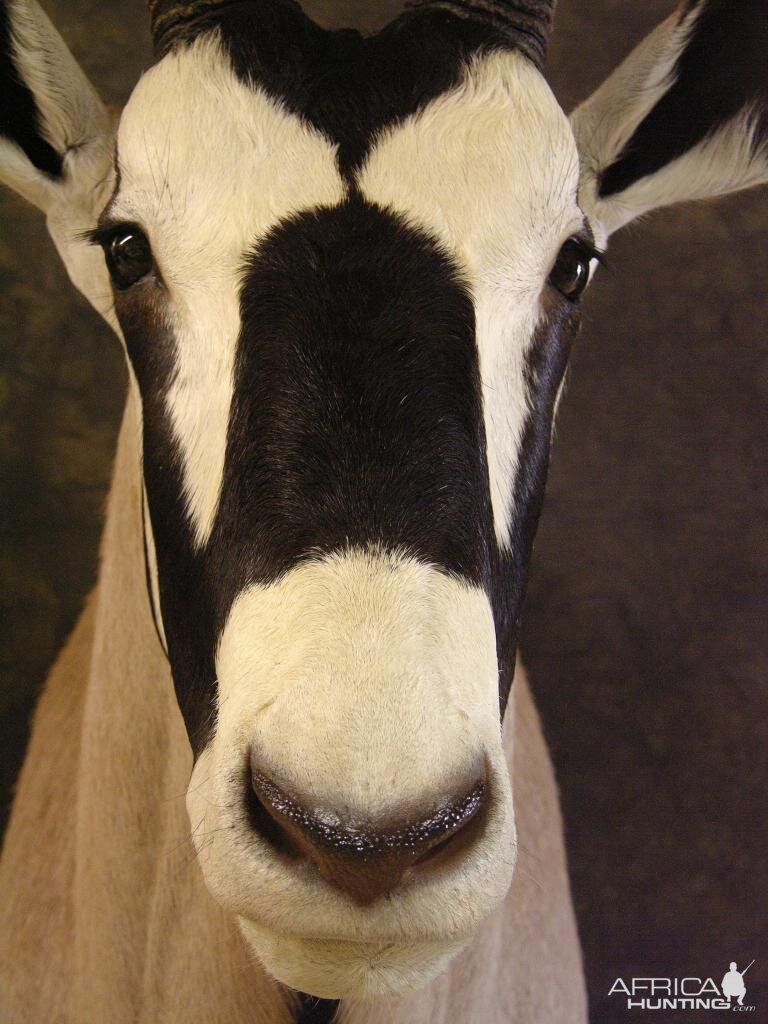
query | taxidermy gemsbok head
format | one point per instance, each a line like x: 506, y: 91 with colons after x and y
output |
x: 346, y: 272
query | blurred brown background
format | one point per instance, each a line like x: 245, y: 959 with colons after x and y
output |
x: 645, y: 630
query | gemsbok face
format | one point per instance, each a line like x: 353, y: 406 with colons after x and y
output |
x: 347, y: 274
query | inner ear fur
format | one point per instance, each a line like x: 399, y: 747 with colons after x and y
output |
x: 684, y: 117
x: 48, y: 108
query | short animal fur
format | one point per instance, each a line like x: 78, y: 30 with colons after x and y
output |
x: 271, y: 776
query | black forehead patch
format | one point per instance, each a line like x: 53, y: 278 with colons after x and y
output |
x: 356, y: 420
x: 345, y: 85
x: 357, y: 416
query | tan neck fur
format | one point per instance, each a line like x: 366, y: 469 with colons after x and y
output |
x: 141, y: 902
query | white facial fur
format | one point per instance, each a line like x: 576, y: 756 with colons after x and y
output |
x: 366, y: 682
x: 490, y: 169
x: 203, y: 205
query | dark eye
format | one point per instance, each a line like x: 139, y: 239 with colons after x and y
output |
x: 129, y: 257
x: 570, y: 273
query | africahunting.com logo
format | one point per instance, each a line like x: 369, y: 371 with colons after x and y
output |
x: 690, y: 993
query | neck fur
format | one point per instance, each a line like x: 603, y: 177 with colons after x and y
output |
x: 140, y: 896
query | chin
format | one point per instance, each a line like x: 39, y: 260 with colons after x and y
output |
x: 332, y: 969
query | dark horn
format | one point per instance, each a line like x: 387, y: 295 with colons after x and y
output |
x: 525, y: 23
x: 171, y: 20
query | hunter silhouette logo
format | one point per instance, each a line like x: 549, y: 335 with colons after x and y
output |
x: 689, y: 993
x: 733, y: 983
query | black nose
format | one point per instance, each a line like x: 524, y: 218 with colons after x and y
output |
x: 366, y: 859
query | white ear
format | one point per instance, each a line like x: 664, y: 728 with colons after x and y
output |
x: 56, y: 141
x: 53, y: 126
x: 684, y: 117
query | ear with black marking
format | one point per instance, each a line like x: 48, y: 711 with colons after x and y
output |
x: 52, y: 124
x: 684, y: 117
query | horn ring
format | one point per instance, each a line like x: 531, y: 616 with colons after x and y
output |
x: 171, y: 21
x: 527, y: 23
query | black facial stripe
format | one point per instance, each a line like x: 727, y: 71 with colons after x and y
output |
x: 347, y: 86
x: 184, y: 600
x: 19, y: 116
x: 148, y: 579
x: 356, y: 419
x: 544, y: 369
x: 719, y: 73
x: 356, y: 415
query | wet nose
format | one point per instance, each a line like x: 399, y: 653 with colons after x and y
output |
x: 366, y: 859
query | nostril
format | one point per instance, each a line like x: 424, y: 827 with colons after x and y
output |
x: 267, y: 826
x: 366, y: 859
x: 285, y: 822
x: 451, y: 846
x: 447, y: 824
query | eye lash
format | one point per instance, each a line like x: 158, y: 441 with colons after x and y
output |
x: 592, y: 251
x: 586, y: 238
x: 103, y: 234
x: 96, y: 236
